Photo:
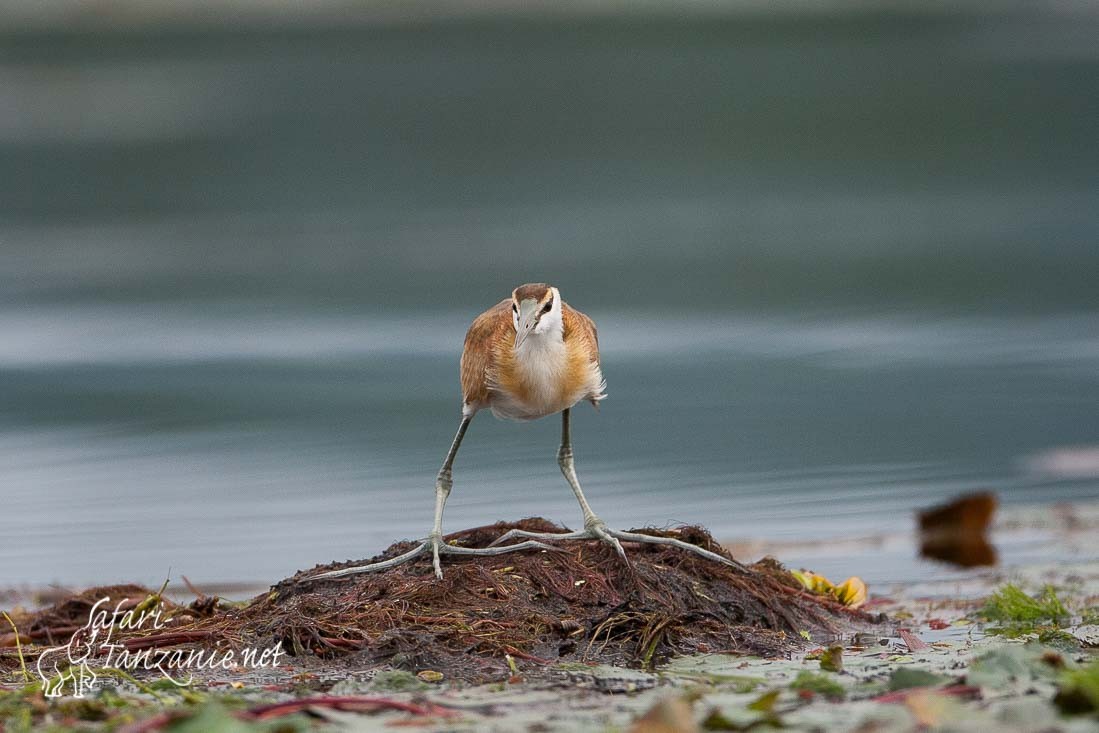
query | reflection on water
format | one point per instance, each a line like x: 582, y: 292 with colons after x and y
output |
x: 842, y: 266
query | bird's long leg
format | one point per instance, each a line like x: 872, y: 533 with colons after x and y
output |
x: 594, y: 527
x: 443, y: 484
x: 568, y: 468
x: 434, y: 542
x: 592, y: 524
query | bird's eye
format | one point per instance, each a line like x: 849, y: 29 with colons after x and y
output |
x: 548, y: 305
x: 514, y: 308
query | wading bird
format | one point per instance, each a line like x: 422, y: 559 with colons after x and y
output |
x: 529, y: 356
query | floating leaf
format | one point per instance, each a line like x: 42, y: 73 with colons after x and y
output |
x: 852, y: 592
x: 430, y: 675
x: 1078, y: 691
x: 931, y: 710
x: 820, y: 684
x: 904, y: 678
x: 765, y: 703
x: 1012, y: 667
x: 831, y: 660
x: 669, y: 714
x: 813, y: 582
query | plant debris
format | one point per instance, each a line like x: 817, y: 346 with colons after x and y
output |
x: 580, y: 604
x: 490, y: 614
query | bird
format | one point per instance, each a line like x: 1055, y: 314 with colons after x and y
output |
x: 529, y: 356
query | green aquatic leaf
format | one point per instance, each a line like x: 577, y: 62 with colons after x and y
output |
x: 1013, y: 667
x: 831, y: 659
x: 765, y: 703
x: 820, y: 684
x: 904, y: 678
x: 1078, y: 690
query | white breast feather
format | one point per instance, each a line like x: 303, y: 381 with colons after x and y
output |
x: 541, y: 362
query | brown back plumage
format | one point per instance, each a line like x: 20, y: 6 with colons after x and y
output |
x: 489, y: 330
x: 580, y: 328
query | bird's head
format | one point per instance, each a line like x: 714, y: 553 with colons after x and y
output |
x: 535, y: 309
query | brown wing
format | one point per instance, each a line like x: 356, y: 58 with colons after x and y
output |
x: 578, y: 326
x: 488, y: 329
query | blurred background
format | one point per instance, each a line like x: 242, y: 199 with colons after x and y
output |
x: 843, y: 259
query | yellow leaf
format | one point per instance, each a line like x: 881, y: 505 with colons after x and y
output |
x: 930, y: 709
x: 852, y: 592
x: 812, y: 581
x: 765, y: 703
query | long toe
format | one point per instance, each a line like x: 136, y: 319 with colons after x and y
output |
x: 513, y: 534
x: 600, y: 532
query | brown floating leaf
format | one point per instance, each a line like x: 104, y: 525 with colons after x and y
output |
x: 670, y: 715
x: 956, y: 532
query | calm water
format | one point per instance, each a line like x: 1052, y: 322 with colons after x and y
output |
x: 842, y: 268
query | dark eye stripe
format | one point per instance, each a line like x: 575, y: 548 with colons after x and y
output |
x: 546, y: 308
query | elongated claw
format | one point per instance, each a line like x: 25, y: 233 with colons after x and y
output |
x: 606, y: 535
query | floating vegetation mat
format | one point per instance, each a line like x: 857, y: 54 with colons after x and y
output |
x: 489, y: 616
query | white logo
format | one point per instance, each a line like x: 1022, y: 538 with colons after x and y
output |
x: 70, y: 663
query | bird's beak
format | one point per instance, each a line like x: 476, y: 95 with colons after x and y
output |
x: 528, y: 318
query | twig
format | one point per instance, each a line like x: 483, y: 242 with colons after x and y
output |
x: 170, y: 638
x: 18, y: 648
x: 195, y: 591
x: 523, y: 655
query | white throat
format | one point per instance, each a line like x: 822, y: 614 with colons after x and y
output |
x: 545, y: 342
x: 542, y: 361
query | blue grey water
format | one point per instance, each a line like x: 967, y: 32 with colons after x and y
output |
x: 843, y: 267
